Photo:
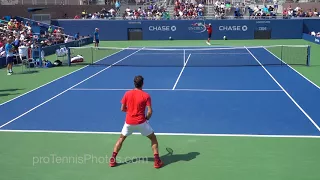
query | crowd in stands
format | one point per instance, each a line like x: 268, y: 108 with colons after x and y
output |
x: 23, y: 35
x: 187, y: 10
x: 103, y: 14
x: 315, y: 34
x: 221, y: 9
x: 152, y: 12
x: 299, y: 12
x: 263, y: 12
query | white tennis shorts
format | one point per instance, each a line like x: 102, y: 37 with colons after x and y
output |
x: 145, y: 129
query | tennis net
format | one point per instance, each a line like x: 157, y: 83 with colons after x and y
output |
x: 192, y: 57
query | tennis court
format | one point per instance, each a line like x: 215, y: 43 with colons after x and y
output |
x: 244, y: 114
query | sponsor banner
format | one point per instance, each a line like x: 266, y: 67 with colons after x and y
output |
x: 233, y: 28
x: 162, y: 28
x: 187, y: 29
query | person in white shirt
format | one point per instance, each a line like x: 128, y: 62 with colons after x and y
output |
x: 256, y: 10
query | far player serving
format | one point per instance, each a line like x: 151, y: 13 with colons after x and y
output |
x: 209, y: 29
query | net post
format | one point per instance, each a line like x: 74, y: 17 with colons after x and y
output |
x: 184, y: 57
x: 69, y: 57
x: 91, y: 55
x: 308, y: 55
x: 281, y: 51
x: 40, y: 56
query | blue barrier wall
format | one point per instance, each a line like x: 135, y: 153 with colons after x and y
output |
x: 49, y: 50
x: 310, y: 25
x: 310, y: 38
x: 190, y: 29
x: 2, y: 62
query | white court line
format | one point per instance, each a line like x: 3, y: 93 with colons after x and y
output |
x: 302, y: 110
x: 67, y: 90
x: 170, y: 47
x: 162, y: 134
x: 185, y: 64
x: 194, y: 90
x: 57, y: 79
x: 293, y: 69
x: 89, y: 89
x: 143, y: 54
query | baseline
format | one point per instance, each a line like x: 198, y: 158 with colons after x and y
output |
x: 163, y: 134
x: 193, y: 90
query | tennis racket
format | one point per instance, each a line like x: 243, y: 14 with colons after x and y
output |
x: 170, y: 151
x: 204, y: 21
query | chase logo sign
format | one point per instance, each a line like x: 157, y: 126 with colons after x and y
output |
x: 233, y: 28
x: 197, y: 27
x: 162, y: 28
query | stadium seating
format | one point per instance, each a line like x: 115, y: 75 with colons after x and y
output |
x: 24, y: 34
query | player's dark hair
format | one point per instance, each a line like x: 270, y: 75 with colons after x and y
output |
x: 138, y: 81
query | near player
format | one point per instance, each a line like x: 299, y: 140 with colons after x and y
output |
x: 209, y: 29
x: 134, y: 103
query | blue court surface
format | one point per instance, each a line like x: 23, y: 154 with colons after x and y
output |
x: 190, y: 98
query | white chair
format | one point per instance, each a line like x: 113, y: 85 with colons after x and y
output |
x: 27, y: 62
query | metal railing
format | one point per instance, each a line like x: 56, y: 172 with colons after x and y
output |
x: 53, y: 2
x: 40, y: 2
x: 136, y: 2
x: 202, y: 18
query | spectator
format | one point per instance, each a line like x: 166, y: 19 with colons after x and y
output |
x: 186, y: 10
x: 77, y: 36
x: 16, y: 43
x: 50, y: 30
x: 117, y: 5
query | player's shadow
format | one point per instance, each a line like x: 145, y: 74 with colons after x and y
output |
x: 167, y: 159
x: 8, y: 94
x: 29, y: 72
x: 9, y: 90
x: 5, y: 92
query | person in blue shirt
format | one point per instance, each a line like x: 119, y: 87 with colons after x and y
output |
x: 265, y: 10
x: 9, y: 48
x: 77, y: 36
x: 96, y: 38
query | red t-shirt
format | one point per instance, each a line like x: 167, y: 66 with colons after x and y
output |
x: 209, y: 29
x: 136, y: 102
